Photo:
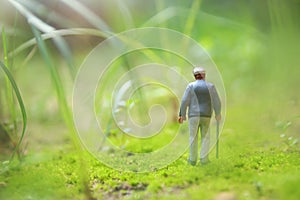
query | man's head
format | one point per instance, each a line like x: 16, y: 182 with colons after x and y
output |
x: 199, y: 73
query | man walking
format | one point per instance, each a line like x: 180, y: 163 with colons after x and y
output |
x: 201, y: 99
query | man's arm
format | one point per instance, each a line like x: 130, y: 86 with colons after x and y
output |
x: 184, y: 104
x: 216, y: 103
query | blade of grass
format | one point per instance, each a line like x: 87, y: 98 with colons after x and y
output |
x: 65, y: 110
x: 77, y: 31
x: 191, y: 18
x: 190, y: 21
x: 47, y: 14
x: 21, y: 105
x: 52, y: 34
x: 8, y: 90
x: 29, y: 56
x: 4, y: 46
x: 161, y: 17
x: 44, y: 27
x: 61, y: 96
x: 126, y: 14
x: 89, y: 15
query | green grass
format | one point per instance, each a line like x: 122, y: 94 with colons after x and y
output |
x: 253, y: 164
x: 259, y: 148
x: 260, y: 174
x: 11, y: 93
x: 16, y: 140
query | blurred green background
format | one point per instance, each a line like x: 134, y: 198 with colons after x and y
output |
x: 255, y: 45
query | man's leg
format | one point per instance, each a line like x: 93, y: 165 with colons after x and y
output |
x: 205, y: 139
x: 193, y: 140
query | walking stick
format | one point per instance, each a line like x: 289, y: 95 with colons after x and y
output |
x: 217, y: 144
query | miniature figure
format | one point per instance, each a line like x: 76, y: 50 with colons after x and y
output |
x: 201, y: 99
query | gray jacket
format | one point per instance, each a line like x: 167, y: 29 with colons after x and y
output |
x: 201, y: 98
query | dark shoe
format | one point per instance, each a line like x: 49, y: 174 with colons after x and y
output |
x: 193, y: 163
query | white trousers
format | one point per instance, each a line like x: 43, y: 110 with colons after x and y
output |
x: 194, y: 124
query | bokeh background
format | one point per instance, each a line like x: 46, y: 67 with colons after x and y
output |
x: 255, y: 44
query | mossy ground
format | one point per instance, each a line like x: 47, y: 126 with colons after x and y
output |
x: 255, y: 163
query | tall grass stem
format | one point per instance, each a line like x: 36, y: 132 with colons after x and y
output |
x: 21, y: 105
